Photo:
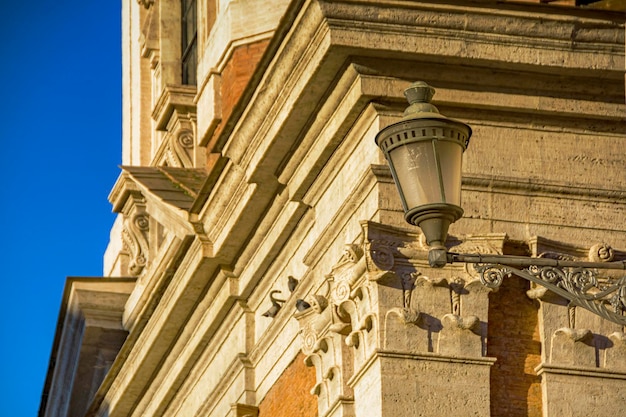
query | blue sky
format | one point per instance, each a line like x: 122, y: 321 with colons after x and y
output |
x: 60, y: 129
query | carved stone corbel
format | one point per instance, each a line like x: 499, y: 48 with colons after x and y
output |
x: 573, y: 347
x: 129, y: 202
x: 178, y: 147
x: 323, y: 333
x: 412, y: 306
x: 459, y: 335
x: 135, y: 235
x: 180, y: 144
x: 381, y: 298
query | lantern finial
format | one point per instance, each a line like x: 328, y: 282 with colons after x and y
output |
x: 420, y: 92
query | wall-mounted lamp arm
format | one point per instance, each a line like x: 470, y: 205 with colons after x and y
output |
x: 575, y: 281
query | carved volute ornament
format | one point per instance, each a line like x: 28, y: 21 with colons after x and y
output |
x: 180, y: 148
x: 178, y: 144
x: 130, y: 203
x: 601, y: 252
x: 135, y: 236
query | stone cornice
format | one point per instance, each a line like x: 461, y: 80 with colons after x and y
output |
x: 543, y: 188
x: 603, y: 39
x: 86, y: 302
x: 123, y: 188
x: 267, y: 127
x: 504, y: 26
x: 178, y: 98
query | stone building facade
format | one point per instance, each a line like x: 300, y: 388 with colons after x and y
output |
x: 260, y: 264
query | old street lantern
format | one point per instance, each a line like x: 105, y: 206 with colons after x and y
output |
x: 424, y: 151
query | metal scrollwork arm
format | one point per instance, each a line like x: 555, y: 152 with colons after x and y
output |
x: 575, y: 281
x: 491, y: 275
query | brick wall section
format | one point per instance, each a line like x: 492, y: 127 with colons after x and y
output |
x: 513, y: 338
x: 290, y: 396
x: 235, y: 76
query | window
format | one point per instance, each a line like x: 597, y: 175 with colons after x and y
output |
x: 190, y: 41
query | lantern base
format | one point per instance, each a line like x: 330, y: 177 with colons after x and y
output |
x: 434, y: 220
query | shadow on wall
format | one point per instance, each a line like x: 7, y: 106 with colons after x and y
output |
x: 513, y: 338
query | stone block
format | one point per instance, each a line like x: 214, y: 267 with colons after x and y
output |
x: 573, y: 347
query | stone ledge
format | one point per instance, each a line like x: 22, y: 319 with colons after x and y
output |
x: 588, y: 372
x: 486, y: 361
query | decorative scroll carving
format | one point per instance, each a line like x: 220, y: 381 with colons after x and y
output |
x: 179, y: 151
x: 601, y: 252
x: 135, y: 238
x: 177, y: 144
x: 330, y: 356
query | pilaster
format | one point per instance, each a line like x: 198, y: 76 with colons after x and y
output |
x: 390, y: 336
x: 582, y: 371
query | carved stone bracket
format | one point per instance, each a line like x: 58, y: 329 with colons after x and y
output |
x: 323, y: 342
x: 135, y: 237
x: 179, y: 147
x: 175, y: 115
x: 131, y: 204
x: 573, y: 347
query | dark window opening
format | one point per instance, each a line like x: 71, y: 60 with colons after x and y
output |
x: 189, y: 41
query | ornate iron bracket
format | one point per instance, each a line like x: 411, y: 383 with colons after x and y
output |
x: 577, y: 282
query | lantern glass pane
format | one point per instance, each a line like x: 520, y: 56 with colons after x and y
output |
x: 416, y: 169
x: 450, y: 159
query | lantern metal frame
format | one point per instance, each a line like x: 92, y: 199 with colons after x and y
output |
x: 578, y: 282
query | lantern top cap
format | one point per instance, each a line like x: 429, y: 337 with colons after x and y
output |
x: 419, y: 92
x: 419, y: 95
